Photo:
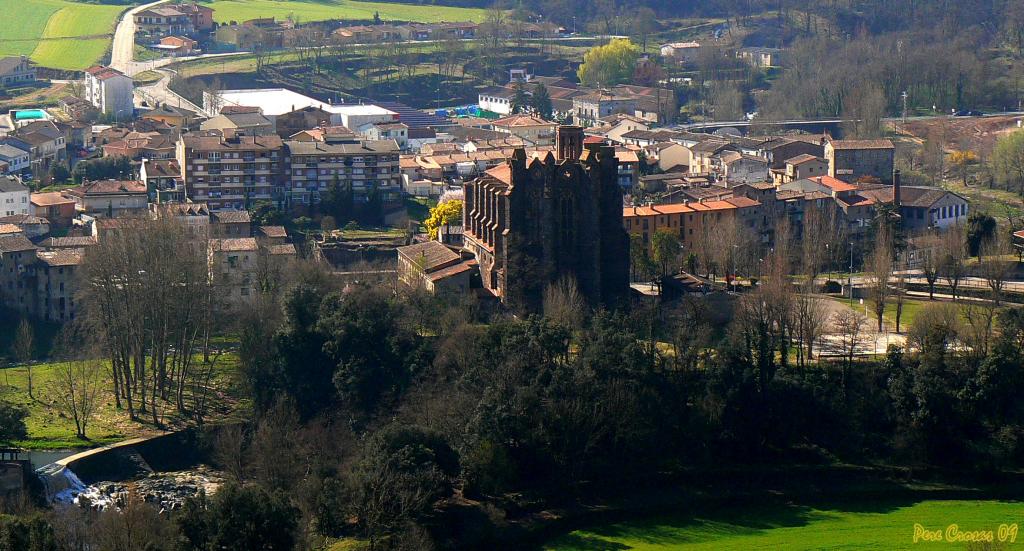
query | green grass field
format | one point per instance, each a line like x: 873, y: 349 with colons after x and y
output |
x: 64, y: 34
x: 57, y: 33
x: 48, y: 428
x: 869, y: 525
x: 317, y: 10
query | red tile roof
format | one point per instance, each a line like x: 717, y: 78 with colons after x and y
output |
x: 834, y: 184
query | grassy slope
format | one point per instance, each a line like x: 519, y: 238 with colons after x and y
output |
x: 849, y: 526
x: 30, y: 20
x: 49, y: 429
x: 308, y: 10
x: 25, y: 21
x: 77, y: 20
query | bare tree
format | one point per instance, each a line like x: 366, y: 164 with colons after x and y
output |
x: 927, y: 249
x: 75, y: 391
x: 564, y: 304
x: 145, y: 299
x: 849, y: 325
x: 899, y: 295
x: 880, y: 266
x: 24, y: 348
x: 954, y: 258
x: 811, y: 317
x: 229, y: 448
x: 996, y: 263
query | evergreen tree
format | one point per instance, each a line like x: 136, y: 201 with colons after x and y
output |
x: 541, y: 101
x: 521, y: 100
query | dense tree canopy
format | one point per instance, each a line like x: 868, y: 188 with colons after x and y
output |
x: 610, y: 64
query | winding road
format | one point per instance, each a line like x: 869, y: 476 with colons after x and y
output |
x: 122, y: 51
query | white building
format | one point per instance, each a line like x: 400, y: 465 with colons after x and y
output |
x: 496, y: 100
x: 13, y: 197
x: 15, y: 159
x: 110, y: 91
x: 681, y: 52
x: 278, y: 101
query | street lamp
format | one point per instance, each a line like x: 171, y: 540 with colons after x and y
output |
x: 828, y: 262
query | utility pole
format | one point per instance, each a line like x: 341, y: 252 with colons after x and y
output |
x: 851, y: 273
x: 904, y: 96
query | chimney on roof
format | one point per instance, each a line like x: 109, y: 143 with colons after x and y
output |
x: 896, y: 188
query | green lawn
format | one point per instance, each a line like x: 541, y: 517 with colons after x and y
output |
x: 997, y: 202
x: 419, y: 207
x: 911, y: 307
x: 870, y: 525
x: 49, y: 429
x: 57, y: 33
x: 317, y: 10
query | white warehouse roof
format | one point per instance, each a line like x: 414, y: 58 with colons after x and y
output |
x: 278, y: 101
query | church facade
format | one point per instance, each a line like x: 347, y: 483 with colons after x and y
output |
x: 536, y: 221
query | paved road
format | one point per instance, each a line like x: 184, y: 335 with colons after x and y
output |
x: 160, y: 92
x: 122, y: 51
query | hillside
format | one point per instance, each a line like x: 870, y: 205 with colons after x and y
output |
x: 306, y: 10
x: 64, y: 34
x: 57, y: 33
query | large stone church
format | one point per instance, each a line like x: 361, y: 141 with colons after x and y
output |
x: 537, y: 220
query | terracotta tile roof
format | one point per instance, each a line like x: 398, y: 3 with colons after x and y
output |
x: 857, y: 201
x: 450, y: 271
x: 49, y: 199
x: 6, y: 229
x: 654, y: 210
x: 236, y: 244
x: 182, y: 209
x: 862, y: 144
x: 803, y: 158
x: 281, y: 250
x: 23, y: 219
x: 626, y: 156
x: 15, y: 243
x: 273, y: 231
x: 163, y: 168
x: 910, y: 196
x: 501, y: 173
x: 103, y: 73
x: 743, y: 202
x: 834, y: 184
x: 232, y: 217
x: 60, y: 257
x: 67, y: 242
x: 522, y: 120
x: 430, y: 255
x: 108, y: 187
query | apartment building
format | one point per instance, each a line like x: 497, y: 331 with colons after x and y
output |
x: 54, y: 276
x: 363, y: 164
x: 17, y: 255
x: 14, y: 197
x: 110, y: 91
x: 696, y: 223
x: 231, y: 170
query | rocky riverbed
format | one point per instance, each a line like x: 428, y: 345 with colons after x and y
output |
x: 165, y: 490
